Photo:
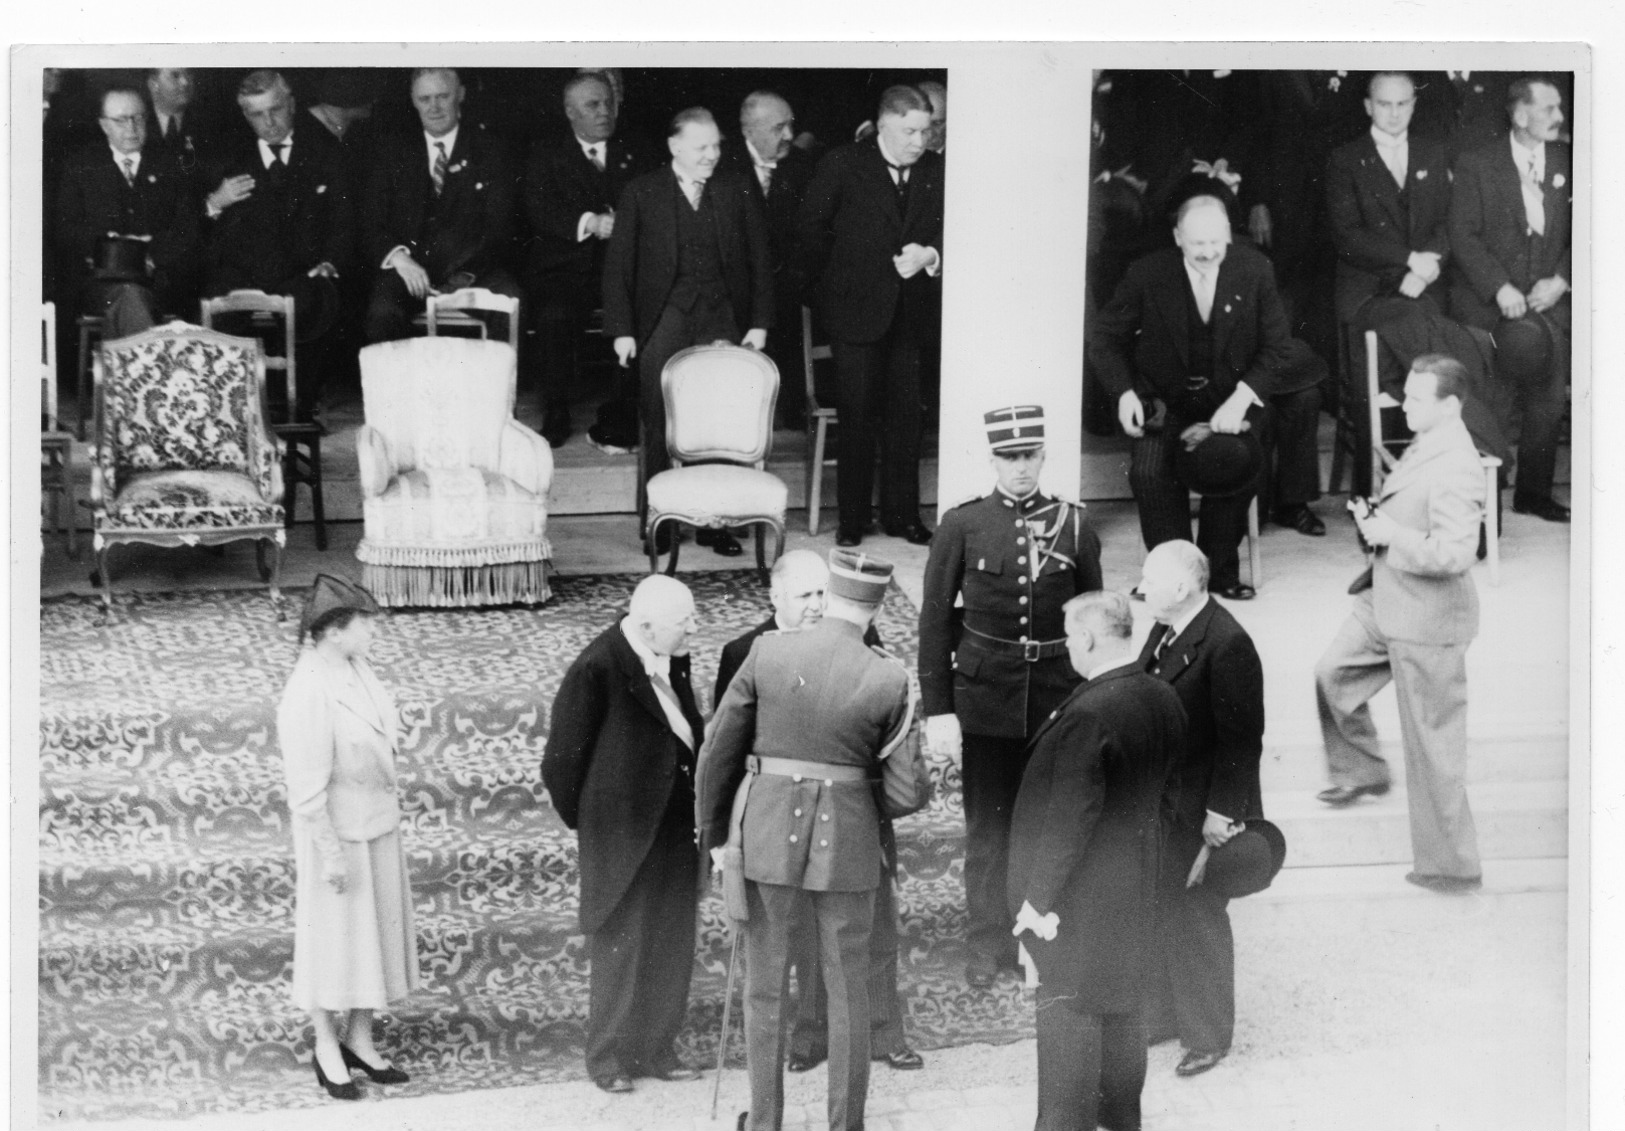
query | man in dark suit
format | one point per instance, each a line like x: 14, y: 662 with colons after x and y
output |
x: 1198, y: 647
x: 1193, y: 336
x: 437, y: 211
x: 798, y: 585
x: 182, y: 131
x: 1084, y: 853
x: 1462, y: 110
x: 993, y: 653
x: 1511, y: 267
x: 282, y: 220
x: 777, y: 174
x: 870, y: 234
x: 808, y: 721
x: 570, y: 190
x: 688, y: 265
x: 126, y: 224
x: 619, y: 767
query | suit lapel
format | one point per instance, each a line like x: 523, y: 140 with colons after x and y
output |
x: 1225, y: 308
x: 1380, y: 182
x: 367, y: 701
x: 880, y: 176
x: 1182, y: 653
x: 638, y: 684
x: 1172, y: 298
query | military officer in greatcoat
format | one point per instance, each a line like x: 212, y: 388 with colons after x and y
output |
x: 812, y: 722
x: 992, y: 669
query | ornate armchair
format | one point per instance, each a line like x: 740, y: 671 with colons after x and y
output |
x: 453, y: 488
x: 182, y: 453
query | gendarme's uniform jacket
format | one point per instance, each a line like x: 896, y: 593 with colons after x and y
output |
x: 819, y: 695
x: 1014, y: 564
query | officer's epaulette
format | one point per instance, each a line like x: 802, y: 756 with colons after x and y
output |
x: 969, y: 499
x: 880, y: 650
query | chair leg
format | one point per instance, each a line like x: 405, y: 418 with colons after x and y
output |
x: 82, y: 379
x: 676, y: 545
x: 70, y: 503
x: 316, y: 492
x: 105, y: 580
x: 1255, y: 552
x: 761, y: 552
x: 275, y: 579
x: 815, y: 474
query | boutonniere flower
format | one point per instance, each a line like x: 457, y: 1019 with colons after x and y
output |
x: 459, y: 167
x: 1421, y: 174
x: 320, y: 189
x: 152, y: 178
x: 1227, y: 308
x: 1335, y: 82
x: 479, y: 186
x: 1558, y: 180
x: 1478, y: 88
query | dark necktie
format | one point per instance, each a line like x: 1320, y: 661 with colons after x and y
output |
x: 900, y: 173
x: 129, y: 170
x: 171, y: 128
x: 1162, y: 645
x: 438, y: 173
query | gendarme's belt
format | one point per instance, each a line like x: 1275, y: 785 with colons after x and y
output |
x: 1030, y: 650
x: 797, y: 769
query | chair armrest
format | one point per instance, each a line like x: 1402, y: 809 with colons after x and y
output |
x: 525, y: 458
x: 376, y: 460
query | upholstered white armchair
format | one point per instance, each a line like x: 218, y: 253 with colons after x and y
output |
x: 719, y: 430
x: 454, y: 489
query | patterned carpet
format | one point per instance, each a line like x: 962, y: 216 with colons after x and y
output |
x: 166, y: 870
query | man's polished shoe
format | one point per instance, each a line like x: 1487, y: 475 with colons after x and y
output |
x: 914, y: 532
x: 1340, y: 795
x: 1301, y: 519
x: 721, y: 542
x: 807, y: 1061
x: 906, y: 1060
x: 556, y: 425
x: 1237, y: 592
x: 617, y: 1084
x: 674, y: 1073
x: 1444, y: 884
x: 1195, y: 1063
x: 1549, y: 509
x: 848, y: 536
x: 981, y: 972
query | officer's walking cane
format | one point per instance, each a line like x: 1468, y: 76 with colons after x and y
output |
x: 738, y: 912
x: 727, y: 1007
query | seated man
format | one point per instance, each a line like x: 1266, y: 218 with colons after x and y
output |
x: 126, y: 223
x: 437, y: 212
x: 1509, y: 231
x: 1196, y: 330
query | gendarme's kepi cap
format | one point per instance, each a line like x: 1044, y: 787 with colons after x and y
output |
x: 1019, y: 428
x: 327, y: 593
x: 858, y: 577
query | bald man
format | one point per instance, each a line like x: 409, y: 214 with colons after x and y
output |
x: 619, y: 767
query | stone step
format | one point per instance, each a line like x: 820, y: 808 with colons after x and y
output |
x: 1343, y: 885
x: 1498, y: 750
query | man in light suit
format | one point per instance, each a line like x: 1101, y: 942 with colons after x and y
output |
x: 1415, y: 612
x: 438, y: 209
x: 1512, y: 266
x: 688, y: 265
x: 1210, y: 660
x: 619, y: 767
x: 1084, y: 851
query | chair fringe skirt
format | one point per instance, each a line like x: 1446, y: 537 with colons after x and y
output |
x: 506, y: 583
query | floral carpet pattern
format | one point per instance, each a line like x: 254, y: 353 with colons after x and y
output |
x: 166, y: 865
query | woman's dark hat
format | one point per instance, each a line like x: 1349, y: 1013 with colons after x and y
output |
x: 328, y: 593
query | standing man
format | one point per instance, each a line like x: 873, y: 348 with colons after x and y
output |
x: 937, y: 94
x: 571, y: 187
x: 1415, y: 612
x: 619, y: 767
x: 1509, y: 231
x: 126, y: 223
x: 688, y: 265
x: 809, y: 721
x: 282, y: 220
x: 438, y: 210
x: 1083, y: 869
x: 1198, y: 647
x: 871, y: 239
x: 1193, y: 336
x: 993, y: 661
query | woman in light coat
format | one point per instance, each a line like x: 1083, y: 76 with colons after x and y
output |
x: 354, y: 943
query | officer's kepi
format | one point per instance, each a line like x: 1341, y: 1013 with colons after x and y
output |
x: 1019, y: 428
x: 858, y: 576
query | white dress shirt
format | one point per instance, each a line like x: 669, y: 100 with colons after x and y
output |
x: 1534, y: 200
x: 1205, y: 286
x: 134, y: 160
x: 899, y: 175
x: 764, y: 167
x: 447, y: 139
x: 267, y: 156
x: 656, y: 665
x: 1394, y: 151
x: 598, y: 153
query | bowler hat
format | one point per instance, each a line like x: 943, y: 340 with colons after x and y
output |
x: 329, y: 592
x: 1523, y: 348
x: 1247, y: 862
x: 1224, y: 463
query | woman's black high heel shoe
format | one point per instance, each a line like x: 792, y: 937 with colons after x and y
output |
x: 344, y: 1091
x: 389, y: 1075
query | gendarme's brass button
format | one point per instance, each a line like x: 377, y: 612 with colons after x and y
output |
x: 1021, y: 559
x: 1022, y: 600
x: 829, y: 782
x: 792, y: 838
x: 824, y: 817
x: 1023, y: 621
x: 823, y: 844
x: 1021, y: 541
x: 797, y: 777
x: 798, y: 812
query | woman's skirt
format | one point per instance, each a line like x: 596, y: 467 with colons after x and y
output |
x: 358, y: 949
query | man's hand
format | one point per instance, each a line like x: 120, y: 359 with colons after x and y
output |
x: 323, y: 270
x: 413, y: 275
x: 1131, y: 414
x: 755, y: 339
x: 1545, y: 294
x: 1377, y: 528
x: 942, y: 736
x: 1028, y: 919
x: 1232, y: 414
x: 626, y: 348
x: 911, y: 260
x: 1425, y: 264
x: 1511, y: 301
x: 1216, y: 829
x: 1412, y: 285
x: 231, y: 191
x: 602, y: 224
x: 1258, y: 225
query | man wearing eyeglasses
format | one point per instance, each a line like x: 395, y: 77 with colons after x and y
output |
x: 126, y: 226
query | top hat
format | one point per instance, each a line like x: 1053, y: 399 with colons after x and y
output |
x: 858, y: 576
x: 1246, y: 863
x: 1523, y: 348
x: 328, y: 593
x: 1223, y: 464
x: 1019, y: 428
x: 121, y: 258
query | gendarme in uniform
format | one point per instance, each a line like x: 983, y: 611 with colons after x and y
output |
x: 993, y: 650
x: 804, y: 726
